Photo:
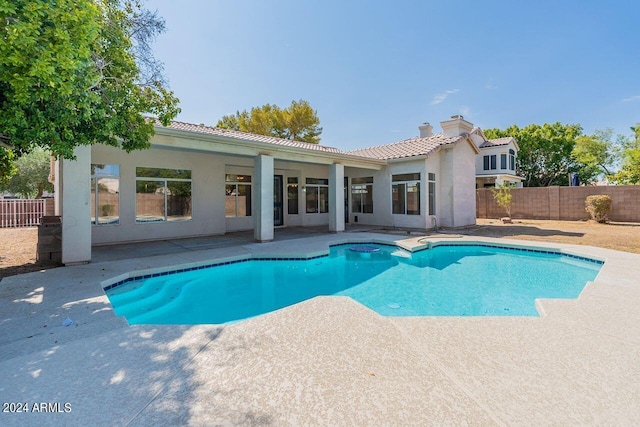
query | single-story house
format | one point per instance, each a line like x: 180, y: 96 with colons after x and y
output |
x: 198, y: 180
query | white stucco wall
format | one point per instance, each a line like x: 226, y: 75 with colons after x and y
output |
x: 446, y: 187
x: 381, y: 197
x: 263, y: 196
x: 208, y: 197
x: 382, y: 203
x: 453, y: 167
x: 75, y: 209
x: 464, y: 181
x: 497, y: 151
x: 207, y: 173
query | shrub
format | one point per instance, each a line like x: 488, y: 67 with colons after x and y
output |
x: 106, y: 210
x: 598, y: 207
x: 502, y: 196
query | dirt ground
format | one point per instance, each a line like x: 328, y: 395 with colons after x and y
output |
x: 621, y: 236
x: 18, y: 245
x: 18, y: 251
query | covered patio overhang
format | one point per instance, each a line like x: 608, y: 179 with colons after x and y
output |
x: 74, y: 177
x: 265, y: 154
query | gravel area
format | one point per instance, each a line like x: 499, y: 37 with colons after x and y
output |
x: 620, y: 236
x: 18, y: 245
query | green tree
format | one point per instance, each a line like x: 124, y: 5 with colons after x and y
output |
x: 598, y: 153
x: 32, y: 176
x: 545, y: 152
x: 79, y: 72
x: 298, y: 122
x: 7, y: 168
x: 629, y: 172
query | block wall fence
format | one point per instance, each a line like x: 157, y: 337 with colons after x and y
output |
x: 561, y: 203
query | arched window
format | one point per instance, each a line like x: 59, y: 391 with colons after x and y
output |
x: 512, y: 160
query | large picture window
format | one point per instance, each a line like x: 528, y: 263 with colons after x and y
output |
x: 362, y: 195
x: 105, y: 194
x: 237, y: 192
x: 405, y: 194
x: 163, y: 194
x: 292, y: 195
x: 317, y: 195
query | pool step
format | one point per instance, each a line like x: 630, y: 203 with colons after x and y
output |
x: 152, y: 312
x: 144, y: 289
x: 152, y: 296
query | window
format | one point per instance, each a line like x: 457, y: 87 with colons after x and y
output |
x: 489, y: 162
x: 362, y: 195
x: 292, y: 196
x: 105, y: 194
x: 512, y: 160
x: 237, y: 192
x: 405, y: 194
x: 163, y: 194
x: 432, y: 193
x: 503, y: 161
x: 317, y: 195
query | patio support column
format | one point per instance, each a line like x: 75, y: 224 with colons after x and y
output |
x: 336, y: 198
x: 263, y: 194
x: 75, y: 185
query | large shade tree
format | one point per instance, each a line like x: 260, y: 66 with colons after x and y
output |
x: 598, y: 153
x: 297, y: 122
x: 78, y: 72
x: 32, y: 175
x: 545, y: 152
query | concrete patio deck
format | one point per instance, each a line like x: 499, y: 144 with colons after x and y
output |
x: 325, y: 361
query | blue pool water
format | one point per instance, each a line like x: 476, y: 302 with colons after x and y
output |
x: 442, y: 281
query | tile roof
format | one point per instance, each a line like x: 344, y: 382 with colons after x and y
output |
x: 210, y: 130
x: 407, y: 148
x: 497, y: 142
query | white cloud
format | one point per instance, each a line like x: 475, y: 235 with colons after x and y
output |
x: 631, y: 99
x: 439, y: 98
x: 490, y: 85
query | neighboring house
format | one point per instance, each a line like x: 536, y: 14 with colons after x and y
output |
x: 496, y: 163
x: 197, y: 180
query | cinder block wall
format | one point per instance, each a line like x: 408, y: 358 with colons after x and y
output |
x: 561, y: 203
x: 50, y: 207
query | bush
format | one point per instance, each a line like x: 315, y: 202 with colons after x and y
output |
x: 503, y: 197
x: 598, y: 207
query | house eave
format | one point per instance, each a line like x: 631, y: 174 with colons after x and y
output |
x: 180, y: 139
x: 498, y: 175
x: 409, y: 158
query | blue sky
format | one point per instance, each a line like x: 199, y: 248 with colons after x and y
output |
x: 375, y: 71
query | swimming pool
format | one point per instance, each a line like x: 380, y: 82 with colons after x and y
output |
x: 446, y: 280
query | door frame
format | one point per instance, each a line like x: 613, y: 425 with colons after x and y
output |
x: 278, y: 200
x: 346, y: 200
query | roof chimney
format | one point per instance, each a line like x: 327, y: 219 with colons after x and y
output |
x: 425, y: 130
x: 456, y: 126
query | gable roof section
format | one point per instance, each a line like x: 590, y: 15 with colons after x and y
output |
x: 209, y: 130
x: 411, y: 147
